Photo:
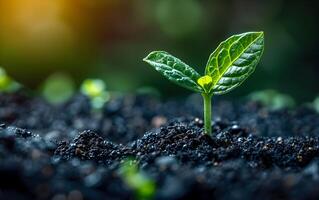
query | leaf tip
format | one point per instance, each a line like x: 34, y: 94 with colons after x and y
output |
x: 146, y: 59
x: 261, y: 33
x: 255, y: 33
x: 151, y: 55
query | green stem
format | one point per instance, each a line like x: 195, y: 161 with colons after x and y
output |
x: 207, y: 113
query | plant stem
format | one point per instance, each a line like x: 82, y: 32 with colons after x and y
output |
x: 207, y: 113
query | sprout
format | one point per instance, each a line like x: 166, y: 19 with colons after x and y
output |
x: 7, y: 84
x: 273, y: 99
x: 58, y: 88
x: 316, y: 104
x: 95, y: 89
x: 143, y: 186
x: 228, y: 66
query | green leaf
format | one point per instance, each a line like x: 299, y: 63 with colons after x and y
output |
x: 234, y: 60
x: 174, y: 70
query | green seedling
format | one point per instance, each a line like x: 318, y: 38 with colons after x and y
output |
x: 316, y: 104
x: 7, y: 84
x: 273, y: 99
x: 58, y: 88
x: 227, y: 68
x: 95, y: 89
x: 143, y: 186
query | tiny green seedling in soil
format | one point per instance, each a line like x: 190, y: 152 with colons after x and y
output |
x: 58, y: 88
x: 316, y: 104
x: 273, y: 99
x: 7, y: 84
x: 227, y: 68
x: 95, y: 90
x: 143, y: 186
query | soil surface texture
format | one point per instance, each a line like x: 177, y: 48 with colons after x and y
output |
x: 72, y: 152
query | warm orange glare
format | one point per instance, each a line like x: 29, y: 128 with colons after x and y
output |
x: 37, y: 24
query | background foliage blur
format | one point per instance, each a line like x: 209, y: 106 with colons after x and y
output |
x: 108, y: 38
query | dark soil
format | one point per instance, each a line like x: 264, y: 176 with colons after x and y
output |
x: 69, y: 152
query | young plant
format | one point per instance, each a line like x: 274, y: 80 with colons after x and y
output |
x: 7, y: 84
x: 273, y: 99
x: 227, y: 67
x: 58, y: 88
x: 95, y: 89
x: 143, y: 186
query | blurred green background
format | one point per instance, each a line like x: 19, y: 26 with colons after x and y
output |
x: 108, y: 38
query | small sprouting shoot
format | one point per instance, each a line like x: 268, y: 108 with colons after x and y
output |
x: 7, y: 84
x: 316, y: 104
x: 58, y: 88
x: 143, y: 186
x: 233, y: 61
x: 206, y: 82
x: 95, y: 89
x: 273, y: 99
